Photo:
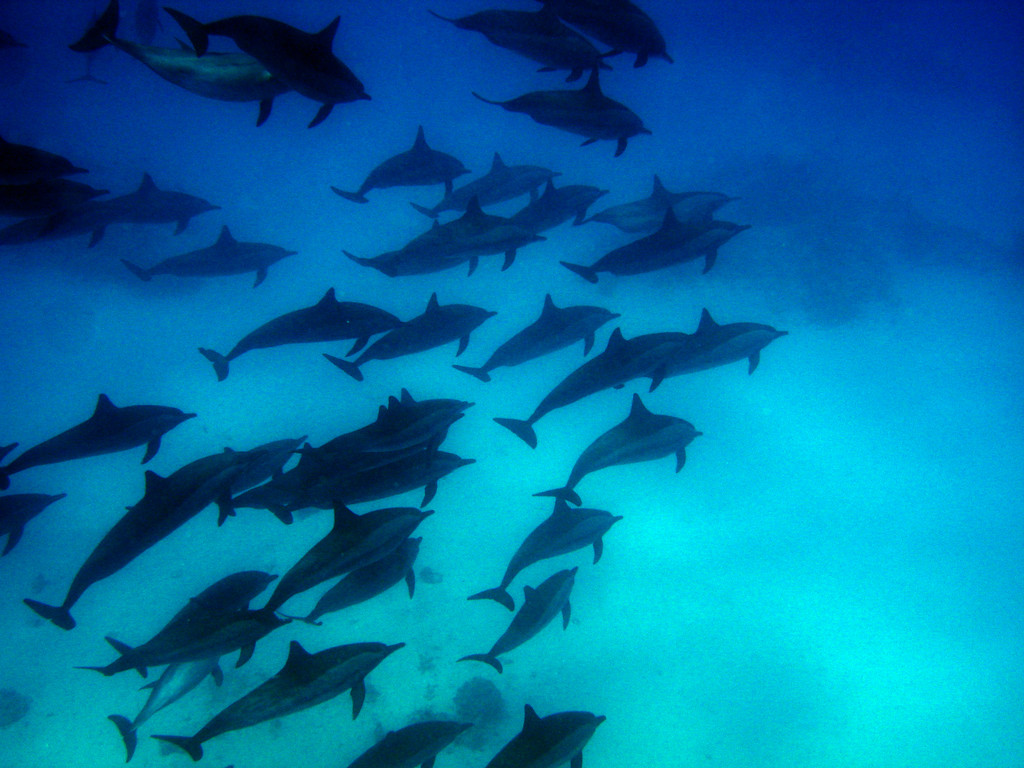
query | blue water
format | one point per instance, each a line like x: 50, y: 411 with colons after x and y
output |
x: 834, y: 579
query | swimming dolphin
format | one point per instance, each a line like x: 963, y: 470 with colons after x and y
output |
x: 231, y: 593
x: 109, y: 430
x: 417, y: 167
x: 437, y: 326
x: 302, y: 60
x: 713, y: 345
x: 555, y: 329
x: 585, y: 111
x: 220, y: 76
x: 642, y: 436
x: 547, y: 742
x: 327, y: 320
x: 22, y: 164
x: 618, y: 23
x: 44, y: 197
x: 307, y: 679
x: 537, y: 35
x: 502, y: 182
x: 17, y: 509
x: 270, y: 463
x: 566, y: 530
x: 648, y: 214
x: 557, y: 205
x: 227, y: 256
x: 540, y: 606
x: 416, y: 744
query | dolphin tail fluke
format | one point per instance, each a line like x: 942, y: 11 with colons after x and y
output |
x: 128, y: 735
x: 521, y: 429
x: 485, y: 658
x: 355, y: 197
x: 425, y: 211
x: 478, y: 373
x: 497, y: 594
x: 57, y: 614
x: 195, y: 30
x: 193, y: 747
x: 102, y: 33
x: 220, y: 363
x: 587, y: 273
x: 348, y: 367
x: 565, y: 494
x: 139, y: 272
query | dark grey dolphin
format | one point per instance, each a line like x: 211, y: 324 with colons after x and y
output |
x: 417, y: 167
x: 501, y: 183
x: 566, y: 530
x: 327, y: 320
x: 231, y: 593
x: 549, y: 742
x: 414, y: 745
x: 227, y: 256
x: 462, y: 240
x: 7, y: 40
x: 618, y: 23
x: 271, y: 459
x: 220, y: 76
x: 557, y: 205
x: 622, y: 360
x: 642, y: 436
x: 17, y: 509
x: 648, y: 214
x: 540, y: 606
x: 167, y: 504
x: 362, y: 584
x: 539, y: 36
x: 109, y: 430
x: 674, y: 243
x: 437, y: 326
x: 555, y: 329
x: 301, y: 60
x: 44, y: 197
x: 713, y: 345
x: 585, y: 111
x: 22, y: 164
x: 305, y: 681
x: 353, y: 542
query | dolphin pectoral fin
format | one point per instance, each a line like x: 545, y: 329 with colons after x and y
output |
x: 577, y: 760
x: 641, y: 59
x: 510, y: 256
x: 754, y: 360
x: 425, y: 211
x: 588, y: 141
x: 656, y: 378
x: 478, y: 373
x: 138, y: 271
x: 265, y: 106
x: 473, y: 262
x: 430, y: 762
x: 521, y: 429
x: 448, y: 186
x: 588, y: 343
x: 321, y: 115
x: 261, y: 275
x: 680, y: 459
x: 709, y: 260
x: 598, y: 549
x: 428, y: 493
x: 485, y: 658
x: 220, y: 363
x: 410, y: 581
x: 128, y: 735
x: 620, y: 147
x: 181, y: 226
x: 566, y: 615
x: 13, y: 537
x: 587, y: 273
x: 574, y: 75
x: 497, y: 594
x: 225, y: 507
x: 97, y: 235
x: 547, y: 69
x: 361, y: 342
x: 151, y: 448
x: 358, y: 697
x: 463, y: 343
x: 581, y: 216
x: 187, y: 743
x: 218, y: 675
x: 196, y: 32
x: 245, y: 654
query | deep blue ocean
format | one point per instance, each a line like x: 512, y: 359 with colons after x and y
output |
x: 836, y: 576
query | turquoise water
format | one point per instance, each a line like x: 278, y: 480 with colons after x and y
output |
x: 835, y: 577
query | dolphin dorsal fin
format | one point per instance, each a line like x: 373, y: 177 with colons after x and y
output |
x: 325, y: 37
x: 616, y: 340
x: 638, y: 408
x: 528, y: 593
x: 328, y: 298
x: 549, y: 306
x: 147, y: 186
x: 659, y: 192
x: 297, y: 655
x: 497, y: 163
x: 420, y: 145
x: 432, y: 305
x: 393, y: 402
x: 225, y: 237
x: 593, y: 85
x: 103, y: 406
x: 343, y: 516
x: 670, y: 219
x: 706, y: 323
x: 549, y: 188
x: 406, y: 397
x: 530, y: 719
x: 153, y: 481
x: 382, y: 412
x: 473, y: 209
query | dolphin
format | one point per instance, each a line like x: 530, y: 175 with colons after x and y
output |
x: 547, y: 742
x: 327, y: 320
x: 220, y: 76
x: 540, y: 606
x: 502, y: 182
x: 555, y: 206
x: 566, y: 530
x: 7, y: 40
x: 109, y: 430
x: 44, y: 197
x: 437, y: 326
x: 270, y: 463
x: 646, y: 215
x: 713, y: 345
x: 167, y: 504
x: 443, y: 246
x: 227, y: 256
x: 586, y: 111
x: 675, y: 243
x: 416, y: 744
x: 307, y: 679
x: 642, y: 436
x: 303, y: 61
x: 231, y: 593
x: 618, y: 23
x: 537, y: 35
x: 354, y: 541
x: 622, y: 360
x: 17, y: 509
x: 555, y: 329
x: 22, y: 164
x: 417, y: 167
